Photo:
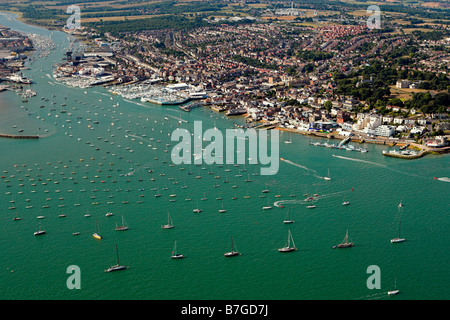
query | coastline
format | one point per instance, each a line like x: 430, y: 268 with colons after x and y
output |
x: 423, y: 150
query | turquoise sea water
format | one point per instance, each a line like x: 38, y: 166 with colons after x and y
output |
x: 131, y: 137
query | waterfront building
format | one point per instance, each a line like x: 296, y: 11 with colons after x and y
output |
x: 385, y: 131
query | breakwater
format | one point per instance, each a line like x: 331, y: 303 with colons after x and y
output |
x: 15, y: 136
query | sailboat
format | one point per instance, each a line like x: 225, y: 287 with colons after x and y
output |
x: 311, y: 206
x: 345, y: 243
x: 288, y: 220
x: 222, y: 210
x: 176, y: 255
x: 398, y: 239
x: 345, y: 202
x: 169, y: 224
x: 395, y: 291
x: 268, y: 206
x: 123, y: 227
x: 288, y: 247
x: 328, y: 177
x: 197, y: 210
x: 116, y: 267
x: 232, y: 253
x: 288, y: 141
x: 40, y: 230
x: 97, y: 235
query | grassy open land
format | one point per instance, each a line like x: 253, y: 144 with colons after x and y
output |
x: 406, y: 93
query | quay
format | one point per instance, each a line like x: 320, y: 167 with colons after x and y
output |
x: 422, y: 150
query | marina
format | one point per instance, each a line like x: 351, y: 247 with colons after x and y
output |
x: 111, y: 153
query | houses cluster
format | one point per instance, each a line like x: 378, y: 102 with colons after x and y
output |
x: 13, y: 46
x: 262, y: 68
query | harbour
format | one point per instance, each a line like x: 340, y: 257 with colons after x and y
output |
x: 105, y: 154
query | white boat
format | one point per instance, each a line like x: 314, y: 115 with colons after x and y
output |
x: 222, y: 210
x: 40, y: 231
x: 233, y: 252
x: 288, y: 247
x: 123, y: 227
x: 328, y: 177
x: 395, y: 291
x: 109, y: 214
x: 288, y: 219
x: 169, y: 224
x: 268, y: 206
x: 288, y: 141
x: 398, y: 238
x: 345, y: 202
x: 176, y: 255
x: 118, y: 266
x: 197, y: 210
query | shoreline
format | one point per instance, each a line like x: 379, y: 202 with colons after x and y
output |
x: 423, y: 150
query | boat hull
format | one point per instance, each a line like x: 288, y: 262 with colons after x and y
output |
x: 231, y: 254
x: 97, y: 236
x: 116, y: 268
x: 397, y: 240
x: 287, y: 249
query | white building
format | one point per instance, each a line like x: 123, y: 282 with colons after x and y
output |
x: 367, y: 123
x: 415, y: 130
x: 384, y: 131
x: 398, y: 120
x: 401, y: 84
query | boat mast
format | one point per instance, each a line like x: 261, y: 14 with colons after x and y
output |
x: 117, y: 252
x: 290, y: 235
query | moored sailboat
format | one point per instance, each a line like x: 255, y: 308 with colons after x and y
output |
x: 96, y: 235
x: 232, y: 253
x: 289, y: 247
x: 288, y: 219
x: 40, y: 230
x: 169, y: 224
x: 176, y: 255
x: 123, y: 227
x: 398, y: 238
x: 118, y: 266
x: 395, y: 291
x: 345, y: 243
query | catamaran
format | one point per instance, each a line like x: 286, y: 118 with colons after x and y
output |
x: 116, y: 267
x: 288, y: 247
x: 232, y: 253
